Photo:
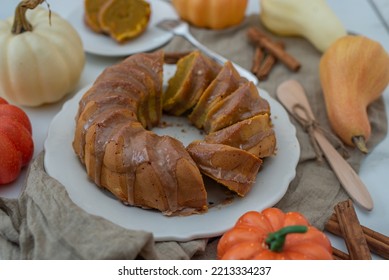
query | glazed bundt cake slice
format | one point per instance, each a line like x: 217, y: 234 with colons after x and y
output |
x: 100, y: 132
x: 226, y: 82
x: 193, y: 75
x: 134, y: 77
x: 150, y: 171
x: 124, y: 19
x: 96, y: 108
x: 232, y: 167
x: 91, y: 14
x: 255, y: 135
x: 152, y: 65
x: 242, y: 104
x: 114, y: 88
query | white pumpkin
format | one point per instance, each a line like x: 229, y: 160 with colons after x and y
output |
x: 39, y: 66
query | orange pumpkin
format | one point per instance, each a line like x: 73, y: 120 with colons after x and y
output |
x: 274, y: 235
x: 16, y: 143
x: 214, y: 14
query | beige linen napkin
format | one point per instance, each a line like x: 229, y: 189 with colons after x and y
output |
x: 45, y: 224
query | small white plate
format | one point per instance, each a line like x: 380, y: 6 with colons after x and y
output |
x: 271, y: 185
x: 104, y: 45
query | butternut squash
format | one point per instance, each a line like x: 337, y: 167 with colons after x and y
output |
x: 354, y: 72
x: 312, y: 19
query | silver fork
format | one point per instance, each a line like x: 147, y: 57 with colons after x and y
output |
x: 181, y: 28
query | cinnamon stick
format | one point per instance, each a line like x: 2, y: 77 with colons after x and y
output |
x: 259, y: 38
x: 339, y: 255
x: 352, y: 231
x: 268, y: 64
x: 173, y: 57
x: 257, y: 60
x: 378, y: 243
x: 381, y: 248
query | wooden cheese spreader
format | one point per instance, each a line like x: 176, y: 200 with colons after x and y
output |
x: 292, y: 95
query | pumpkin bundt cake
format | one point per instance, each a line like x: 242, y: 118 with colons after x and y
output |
x: 139, y: 167
x: 114, y: 142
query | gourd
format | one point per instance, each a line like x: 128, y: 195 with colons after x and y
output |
x: 16, y: 143
x: 41, y: 56
x: 213, y: 14
x: 354, y: 72
x: 272, y: 235
x: 311, y: 19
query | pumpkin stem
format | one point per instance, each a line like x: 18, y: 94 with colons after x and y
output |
x: 276, y: 240
x: 21, y: 23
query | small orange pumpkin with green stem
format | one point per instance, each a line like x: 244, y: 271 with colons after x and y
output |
x: 274, y: 235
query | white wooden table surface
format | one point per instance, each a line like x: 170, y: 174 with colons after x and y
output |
x: 366, y: 17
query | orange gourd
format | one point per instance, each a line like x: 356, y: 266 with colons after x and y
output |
x: 213, y: 14
x: 16, y: 143
x: 354, y: 71
x: 274, y: 235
